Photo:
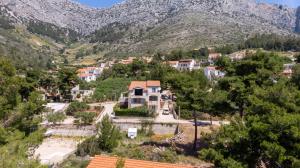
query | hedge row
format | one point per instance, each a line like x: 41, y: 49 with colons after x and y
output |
x: 137, y: 112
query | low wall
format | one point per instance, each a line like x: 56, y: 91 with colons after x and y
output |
x: 157, y: 128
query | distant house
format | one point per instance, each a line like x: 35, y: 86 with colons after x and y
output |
x: 88, y: 77
x: 78, y: 94
x: 238, y: 55
x: 173, y: 64
x: 211, y: 72
x: 111, y: 162
x: 50, y: 94
x: 186, y: 65
x: 288, y: 70
x: 127, y: 61
x: 89, y: 74
x: 144, y: 93
x: 212, y: 57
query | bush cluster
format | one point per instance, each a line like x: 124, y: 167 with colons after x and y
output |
x: 137, y: 112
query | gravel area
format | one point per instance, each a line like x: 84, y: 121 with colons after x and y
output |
x: 54, y: 150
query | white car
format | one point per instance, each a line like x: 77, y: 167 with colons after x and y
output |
x: 166, y: 111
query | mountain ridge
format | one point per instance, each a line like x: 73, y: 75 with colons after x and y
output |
x: 140, y: 25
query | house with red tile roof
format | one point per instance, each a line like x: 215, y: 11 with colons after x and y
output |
x: 111, y: 162
x: 89, y: 73
x: 144, y: 93
x: 173, y: 64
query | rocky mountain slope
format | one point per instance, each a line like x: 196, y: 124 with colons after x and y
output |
x: 140, y: 25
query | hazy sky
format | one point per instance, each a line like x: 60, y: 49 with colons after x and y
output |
x: 107, y: 3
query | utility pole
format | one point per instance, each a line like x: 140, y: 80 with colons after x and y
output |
x: 196, y: 130
x: 179, y: 113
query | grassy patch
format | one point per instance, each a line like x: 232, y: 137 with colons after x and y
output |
x: 75, y: 162
x: 110, y: 89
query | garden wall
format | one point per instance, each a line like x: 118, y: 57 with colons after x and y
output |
x: 157, y: 128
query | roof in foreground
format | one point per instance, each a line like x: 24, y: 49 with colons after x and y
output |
x: 110, y: 162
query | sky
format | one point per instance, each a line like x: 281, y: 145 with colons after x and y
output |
x: 99, y: 3
x: 108, y: 3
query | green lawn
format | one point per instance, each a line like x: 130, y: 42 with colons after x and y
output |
x: 110, y: 89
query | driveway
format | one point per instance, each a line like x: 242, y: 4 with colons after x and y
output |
x: 108, y: 110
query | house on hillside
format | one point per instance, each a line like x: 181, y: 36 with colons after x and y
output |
x: 212, y: 57
x: 236, y: 56
x: 186, y: 65
x: 212, y: 72
x: 127, y: 61
x: 80, y: 94
x: 288, y: 70
x: 173, y: 64
x: 50, y: 94
x: 144, y: 93
x: 89, y: 74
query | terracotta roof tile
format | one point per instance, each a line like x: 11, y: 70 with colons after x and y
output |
x: 110, y: 162
x: 143, y: 84
x: 173, y: 62
x: 186, y: 61
x: 137, y: 84
x: 153, y: 83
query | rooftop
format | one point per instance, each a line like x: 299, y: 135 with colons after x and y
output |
x: 211, y: 67
x: 186, y: 60
x: 143, y: 84
x: 173, y: 62
x: 82, y: 70
x: 110, y: 162
x: 214, y: 55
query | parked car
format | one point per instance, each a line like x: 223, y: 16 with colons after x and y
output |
x: 166, y: 111
x: 164, y: 97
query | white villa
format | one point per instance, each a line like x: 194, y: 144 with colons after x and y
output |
x: 90, y: 73
x: 79, y: 95
x: 145, y: 93
x: 186, y: 65
x: 211, y: 72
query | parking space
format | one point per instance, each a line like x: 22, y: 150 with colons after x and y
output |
x: 165, y: 114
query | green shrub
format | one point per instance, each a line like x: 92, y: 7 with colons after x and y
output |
x: 186, y: 114
x: 137, y: 112
x: 56, y: 117
x: 85, y: 117
x: 168, y: 156
x: 76, y: 107
x: 88, y: 147
x: 109, y: 135
x: 110, y: 89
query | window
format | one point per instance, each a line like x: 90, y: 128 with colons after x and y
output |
x: 153, y: 98
x: 153, y: 90
x: 138, y: 92
x: 137, y: 101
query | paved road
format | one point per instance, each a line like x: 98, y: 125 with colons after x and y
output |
x: 79, y: 132
x: 108, y: 110
x: 109, y: 107
x: 161, y: 118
